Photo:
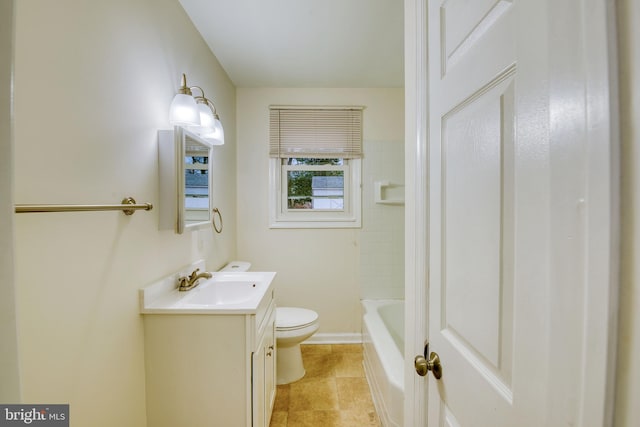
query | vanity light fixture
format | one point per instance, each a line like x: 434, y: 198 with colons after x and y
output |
x: 184, y: 111
x: 197, y: 113
x: 210, y: 126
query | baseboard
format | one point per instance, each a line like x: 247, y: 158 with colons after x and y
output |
x: 335, y: 338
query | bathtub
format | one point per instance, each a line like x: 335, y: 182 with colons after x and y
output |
x: 383, y: 339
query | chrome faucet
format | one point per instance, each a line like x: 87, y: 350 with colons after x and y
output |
x: 187, y: 283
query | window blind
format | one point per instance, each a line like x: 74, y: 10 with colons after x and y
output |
x: 315, y: 132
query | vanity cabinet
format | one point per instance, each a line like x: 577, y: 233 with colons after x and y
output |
x: 211, y: 369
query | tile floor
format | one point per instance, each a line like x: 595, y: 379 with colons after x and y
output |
x: 333, y: 393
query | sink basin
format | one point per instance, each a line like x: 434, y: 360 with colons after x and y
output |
x: 224, y: 293
x: 227, y: 289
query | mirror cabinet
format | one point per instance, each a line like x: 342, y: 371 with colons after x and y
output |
x: 185, y: 180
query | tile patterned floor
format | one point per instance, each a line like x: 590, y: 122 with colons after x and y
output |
x: 333, y: 393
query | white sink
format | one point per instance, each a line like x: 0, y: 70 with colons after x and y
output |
x: 224, y: 293
x: 228, y: 289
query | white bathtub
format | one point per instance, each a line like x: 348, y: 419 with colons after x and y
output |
x: 383, y: 338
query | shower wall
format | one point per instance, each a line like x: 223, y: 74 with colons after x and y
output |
x: 382, y: 233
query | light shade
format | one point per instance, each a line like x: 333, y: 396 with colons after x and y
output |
x: 184, y: 111
x: 198, y: 114
x: 206, y: 118
x: 216, y: 136
x: 210, y: 126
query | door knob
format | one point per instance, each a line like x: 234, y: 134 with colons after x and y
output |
x: 423, y: 365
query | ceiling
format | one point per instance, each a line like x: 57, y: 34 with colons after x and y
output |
x: 304, y: 43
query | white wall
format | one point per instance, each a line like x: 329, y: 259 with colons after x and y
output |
x: 317, y: 269
x: 93, y: 84
x: 9, y: 378
x: 628, y: 377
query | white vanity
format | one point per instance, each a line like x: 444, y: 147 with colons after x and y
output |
x: 210, y: 352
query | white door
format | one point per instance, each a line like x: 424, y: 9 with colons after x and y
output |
x: 518, y: 224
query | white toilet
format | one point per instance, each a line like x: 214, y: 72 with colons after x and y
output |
x: 237, y: 266
x: 293, y: 325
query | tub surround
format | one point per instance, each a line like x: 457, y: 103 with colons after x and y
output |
x: 381, y: 272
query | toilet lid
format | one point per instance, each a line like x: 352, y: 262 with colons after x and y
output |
x: 293, y: 317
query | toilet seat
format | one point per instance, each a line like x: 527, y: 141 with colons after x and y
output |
x: 292, y: 318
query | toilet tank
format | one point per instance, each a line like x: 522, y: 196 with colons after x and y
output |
x: 237, y: 266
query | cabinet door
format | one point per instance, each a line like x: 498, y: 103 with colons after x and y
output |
x: 264, y: 373
x: 258, y: 384
x: 270, y: 365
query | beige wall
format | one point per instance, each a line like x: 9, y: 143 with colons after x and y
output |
x: 317, y: 269
x: 628, y: 377
x: 9, y: 378
x: 93, y: 84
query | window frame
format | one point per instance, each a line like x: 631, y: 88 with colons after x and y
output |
x: 282, y: 217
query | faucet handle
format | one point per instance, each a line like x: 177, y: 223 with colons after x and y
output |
x: 183, y: 281
x: 194, y: 274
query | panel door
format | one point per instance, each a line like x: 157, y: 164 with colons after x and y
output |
x: 472, y: 215
x: 489, y: 213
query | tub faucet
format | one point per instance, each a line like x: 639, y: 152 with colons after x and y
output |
x: 187, y: 283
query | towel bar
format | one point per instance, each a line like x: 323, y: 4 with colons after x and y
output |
x: 128, y: 206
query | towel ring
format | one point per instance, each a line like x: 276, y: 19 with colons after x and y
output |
x: 213, y: 220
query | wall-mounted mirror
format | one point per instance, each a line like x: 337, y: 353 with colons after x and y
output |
x: 185, y: 180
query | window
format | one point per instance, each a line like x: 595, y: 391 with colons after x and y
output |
x: 315, y: 167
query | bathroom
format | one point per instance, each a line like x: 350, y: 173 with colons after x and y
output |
x: 79, y: 306
x: 91, y: 87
